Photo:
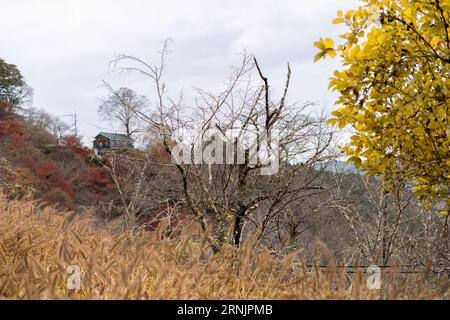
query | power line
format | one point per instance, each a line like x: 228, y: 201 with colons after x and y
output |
x: 98, y: 127
x: 75, y: 121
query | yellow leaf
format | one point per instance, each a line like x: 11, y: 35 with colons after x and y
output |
x: 349, y: 14
x: 354, y: 52
x: 319, y: 56
x: 332, y: 121
x: 320, y: 45
x: 356, y: 161
x: 341, y: 125
x: 380, y: 38
x: 436, y: 41
x: 407, y: 13
x: 329, y: 43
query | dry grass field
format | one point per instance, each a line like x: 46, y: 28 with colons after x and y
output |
x: 38, y: 244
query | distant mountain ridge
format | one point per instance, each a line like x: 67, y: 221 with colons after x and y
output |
x: 339, y: 167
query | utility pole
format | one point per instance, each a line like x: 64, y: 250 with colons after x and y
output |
x: 75, y: 121
x: 75, y: 124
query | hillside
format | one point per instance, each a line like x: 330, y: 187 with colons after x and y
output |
x: 34, y: 162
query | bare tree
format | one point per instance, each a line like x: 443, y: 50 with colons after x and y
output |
x: 430, y: 244
x: 43, y: 120
x: 226, y: 196
x: 389, y: 226
x: 139, y: 188
x: 120, y: 106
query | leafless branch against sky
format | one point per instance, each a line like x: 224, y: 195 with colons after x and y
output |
x: 64, y: 47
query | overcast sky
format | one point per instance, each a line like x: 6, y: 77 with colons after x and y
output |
x: 63, y: 47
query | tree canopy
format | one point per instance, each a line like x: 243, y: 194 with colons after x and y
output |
x: 13, y: 88
x: 394, y: 91
x: 123, y: 107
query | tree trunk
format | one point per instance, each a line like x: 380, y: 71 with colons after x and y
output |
x: 238, y: 224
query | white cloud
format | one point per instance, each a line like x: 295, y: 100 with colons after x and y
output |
x: 63, y: 47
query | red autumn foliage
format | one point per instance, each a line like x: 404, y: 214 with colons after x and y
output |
x: 99, y: 185
x: 47, y: 172
x: 174, y: 219
x: 74, y: 144
x: 63, y: 173
x: 14, y: 134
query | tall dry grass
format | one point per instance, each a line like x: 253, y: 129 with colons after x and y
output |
x: 38, y: 244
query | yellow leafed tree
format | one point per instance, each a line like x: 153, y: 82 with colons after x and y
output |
x: 394, y: 91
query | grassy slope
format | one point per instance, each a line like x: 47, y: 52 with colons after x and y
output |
x: 37, y: 245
